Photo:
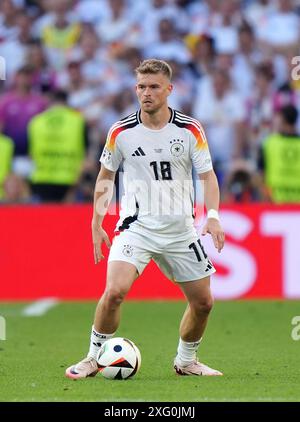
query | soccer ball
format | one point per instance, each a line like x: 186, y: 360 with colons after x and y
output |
x: 118, y: 358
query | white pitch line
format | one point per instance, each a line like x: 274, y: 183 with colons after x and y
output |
x: 40, y: 307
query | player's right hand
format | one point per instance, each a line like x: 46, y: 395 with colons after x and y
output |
x: 99, y: 236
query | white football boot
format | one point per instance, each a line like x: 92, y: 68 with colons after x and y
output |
x: 195, y: 368
x: 85, y: 368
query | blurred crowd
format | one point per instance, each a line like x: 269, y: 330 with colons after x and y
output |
x: 68, y: 74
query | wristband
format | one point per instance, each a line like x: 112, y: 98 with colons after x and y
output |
x: 213, y: 214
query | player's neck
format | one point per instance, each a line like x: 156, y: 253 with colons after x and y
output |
x: 156, y: 120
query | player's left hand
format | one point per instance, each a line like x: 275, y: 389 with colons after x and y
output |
x: 213, y: 227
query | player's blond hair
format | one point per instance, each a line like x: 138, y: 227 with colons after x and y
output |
x: 154, y: 66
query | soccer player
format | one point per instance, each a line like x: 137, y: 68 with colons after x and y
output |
x: 157, y: 147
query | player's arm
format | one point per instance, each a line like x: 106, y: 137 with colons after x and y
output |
x: 212, y: 201
x: 102, y: 196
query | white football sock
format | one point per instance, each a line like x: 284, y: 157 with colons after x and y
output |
x: 186, y: 352
x: 97, y: 339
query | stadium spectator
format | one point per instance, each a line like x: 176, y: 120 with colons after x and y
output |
x: 243, y: 185
x: 80, y: 94
x: 92, y: 57
x: 203, y: 15
x: 224, y: 31
x: 244, y: 61
x: 44, y: 77
x: 85, y: 189
x: 281, y: 159
x: 203, y: 54
x: 169, y: 45
x: 159, y: 10
x: 60, y: 35
x: 261, y: 106
x: 8, y: 29
x: 221, y: 110
x: 97, y: 68
x: 129, y: 59
x: 123, y: 104
x: 17, y: 107
x: 14, y: 50
x: 184, y: 85
x: 118, y: 28
x: 16, y: 190
x: 46, y: 15
x: 284, y: 95
x: 257, y: 14
x: 57, y: 149
x: 282, y: 30
x: 89, y: 12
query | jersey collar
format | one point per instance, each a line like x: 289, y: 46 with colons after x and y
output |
x: 170, y: 119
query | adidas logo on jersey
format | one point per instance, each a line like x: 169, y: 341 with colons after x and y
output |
x: 138, y: 153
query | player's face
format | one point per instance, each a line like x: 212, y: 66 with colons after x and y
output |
x: 153, y: 91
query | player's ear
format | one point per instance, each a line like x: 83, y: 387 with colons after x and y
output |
x: 170, y: 89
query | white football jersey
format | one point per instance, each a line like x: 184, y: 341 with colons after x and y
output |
x: 157, y: 164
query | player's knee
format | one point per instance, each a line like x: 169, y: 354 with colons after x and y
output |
x: 203, y: 306
x: 113, y: 297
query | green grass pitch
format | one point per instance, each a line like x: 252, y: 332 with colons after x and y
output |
x: 250, y: 341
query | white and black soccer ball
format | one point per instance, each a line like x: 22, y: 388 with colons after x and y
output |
x: 119, y: 358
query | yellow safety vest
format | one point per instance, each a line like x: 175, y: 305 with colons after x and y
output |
x: 56, y: 146
x: 282, y: 167
x: 61, y: 38
x: 6, y: 156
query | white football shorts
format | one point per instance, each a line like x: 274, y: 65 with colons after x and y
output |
x: 179, y: 260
